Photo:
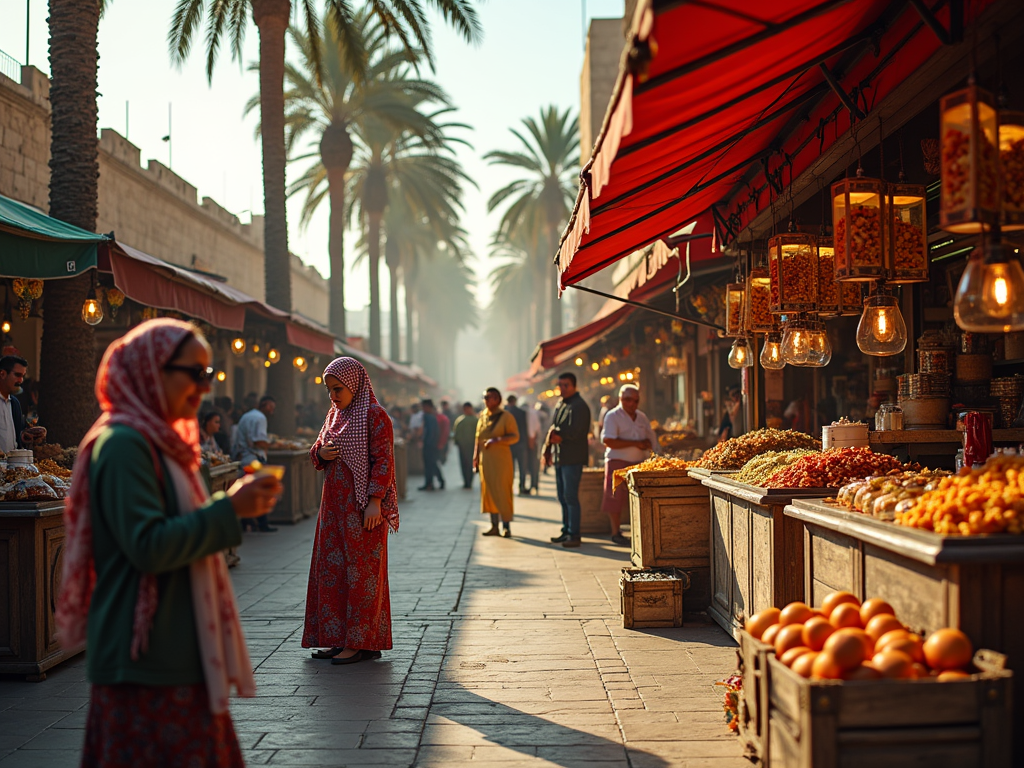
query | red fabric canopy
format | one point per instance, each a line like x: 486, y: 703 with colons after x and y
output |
x: 731, y: 88
x: 562, y: 348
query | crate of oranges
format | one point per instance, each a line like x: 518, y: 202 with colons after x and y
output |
x: 849, y: 679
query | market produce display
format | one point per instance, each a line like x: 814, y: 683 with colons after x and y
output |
x: 734, y: 453
x: 64, y: 457
x: 880, y: 496
x: 845, y: 640
x: 759, y: 469
x: 653, y: 464
x: 989, y: 499
x: 35, y: 483
x: 834, y: 468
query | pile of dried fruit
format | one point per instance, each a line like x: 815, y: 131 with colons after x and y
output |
x: 985, y: 500
x: 834, y: 468
x: 881, y: 496
x: 1011, y: 153
x: 653, y: 464
x: 908, y: 246
x: 734, y: 453
x: 50, y: 467
x: 759, y: 469
x: 865, y: 236
x: 844, y: 640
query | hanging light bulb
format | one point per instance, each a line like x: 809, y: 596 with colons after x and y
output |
x: 990, y: 296
x: 222, y: 376
x: 238, y: 346
x: 739, y: 355
x: 796, y: 343
x: 266, y: 363
x: 578, y: 361
x: 256, y: 349
x: 881, y: 330
x: 5, y: 327
x: 820, y: 347
x: 771, y: 352
x: 92, y: 309
x: 273, y: 356
x: 301, y: 363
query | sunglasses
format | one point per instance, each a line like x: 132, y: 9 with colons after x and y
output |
x: 200, y: 374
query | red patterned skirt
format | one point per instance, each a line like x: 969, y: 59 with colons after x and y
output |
x: 168, y: 726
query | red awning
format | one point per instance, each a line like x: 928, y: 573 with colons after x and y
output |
x: 562, y: 348
x: 714, y: 94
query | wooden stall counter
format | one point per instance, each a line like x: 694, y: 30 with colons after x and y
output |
x: 223, y: 475
x: 31, y: 561
x: 300, y: 498
x: 757, y: 553
x: 593, y: 521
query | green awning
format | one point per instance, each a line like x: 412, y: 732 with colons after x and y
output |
x: 35, y: 245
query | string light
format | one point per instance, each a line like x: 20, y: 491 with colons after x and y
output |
x: 579, y: 361
x: 595, y: 366
x: 238, y: 346
x: 221, y: 376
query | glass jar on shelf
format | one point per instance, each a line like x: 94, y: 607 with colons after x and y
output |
x: 793, y: 271
x: 735, y: 296
x: 858, y: 205
x: 907, y: 239
x: 969, y: 135
x: 759, y: 295
x: 828, y: 287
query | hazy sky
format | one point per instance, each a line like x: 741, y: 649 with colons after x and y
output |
x: 531, y: 56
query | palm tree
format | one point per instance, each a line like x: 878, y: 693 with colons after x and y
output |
x: 542, y: 199
x: 330, y: 109
x: 515, y: 314
x: 445, y: 294
x: 68, y: 344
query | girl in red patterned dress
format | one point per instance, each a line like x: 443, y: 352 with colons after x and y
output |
x: 348, y: 605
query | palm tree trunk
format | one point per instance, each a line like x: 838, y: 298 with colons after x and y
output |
x: 551, y: 286
x: 373, y: 246
x: 271, y: 18
x: 410, y: 322
x: 395, y: 341
x: 68, y: 344
x: 336, y: 154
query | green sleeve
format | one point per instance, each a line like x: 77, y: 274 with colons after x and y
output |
x: 132, y: 505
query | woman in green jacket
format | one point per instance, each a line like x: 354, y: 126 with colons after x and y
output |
x: 144, y: 582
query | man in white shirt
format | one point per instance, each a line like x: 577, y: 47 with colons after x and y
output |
x: 628, y: 439
x: 250, y: 444
x: 12, y: 423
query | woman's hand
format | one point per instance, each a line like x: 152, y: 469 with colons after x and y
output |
x: 492, y: 441
x: 328, y: 452
x: 371, y: 515
x: 255, y: 495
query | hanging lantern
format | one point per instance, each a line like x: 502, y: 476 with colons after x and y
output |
x: 771, y: 352
x: 238, y: 346
x: 301, y: 363
x: 273, y: 356
x: 857, y: 205
x: 740, y: 355
x: 907, y: 240
x: 735, y: 295
x: 222, y: 376
x: 881, y: 330
x: 828, y: 287
x: 92, y: 308
x: 990, y: 296
x: 758, y: 300
x: 792, y: 266
x: 850, y: 301
x: 970, y: 161
x: 820, y: 353
x: 1011, y: 162
x: 115, y: 298
x: 796, y: 343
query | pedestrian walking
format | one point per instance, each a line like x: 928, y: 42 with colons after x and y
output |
x: 444, y: 433
x: 250, y: 444
x: 496, y: 433
x: 544, y: 414
x: 519, y: 457
x: 533, y: 433
x: 566, y: 447
x: 348, y: 602
x: 629, y: 439
x: 464, y: 436
x: 431, y: 437
x: 144, y: 582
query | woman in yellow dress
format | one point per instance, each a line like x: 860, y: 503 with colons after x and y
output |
x: 496, y: 433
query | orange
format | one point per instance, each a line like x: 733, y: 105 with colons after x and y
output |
x: 816, y: 632
x: 880, y: 624
x: 793, y: 654
x: 790, y: 636
x: 760, y: 621
x: 872, y: 608
x: 845, y: 615
x: 805, y: 663
x: 921, y: 671
x: 888, y: 637
x: 865, y: 671
x: 826, y: 667
x: 845, y: 649
x: 953, y: 674
x: 769, y: 634
x: 948, y: 649
x: 830, y: 603
x: 795, y: 613
x: 894, y: 664
x: 912, y: 645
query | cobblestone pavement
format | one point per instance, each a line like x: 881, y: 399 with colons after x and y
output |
x: 507, y: 653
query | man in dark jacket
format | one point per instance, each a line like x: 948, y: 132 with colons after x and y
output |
x: 566, y: 447
x: 431, y: 436
x: 12, y: 423
x: 519, y: 449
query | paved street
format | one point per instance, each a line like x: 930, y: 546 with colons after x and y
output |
x: 507, y: 652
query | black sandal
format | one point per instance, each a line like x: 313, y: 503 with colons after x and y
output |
x: 328, y: 654
x: 355, y: 657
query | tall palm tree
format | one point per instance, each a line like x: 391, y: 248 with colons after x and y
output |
x: 68, y: 344
x: 515, y: 314
x: 542, y: 199
x: 329, y: 109
x: 445, y: 294
x: 229, y: 18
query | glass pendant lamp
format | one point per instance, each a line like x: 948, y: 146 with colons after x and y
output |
x: 821, y: 349
x: 969, y: 135
x: 796, y: 343
x: 771, y: 352
x: 881, y: 330
x: 739, y: 355
x: 990, y: 296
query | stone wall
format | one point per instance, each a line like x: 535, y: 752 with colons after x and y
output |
x: 152, y: 208
x: 597, y: 80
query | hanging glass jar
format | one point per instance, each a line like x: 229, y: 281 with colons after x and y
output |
x: 828, y: 288
x: 850, y: 302
x: 907, y: 238
x: 857, y: 215
x: 970, y: 161
x: 735, y: 297
x: 759, y: 296
x: 793, y: 270
x: 1011, y: 161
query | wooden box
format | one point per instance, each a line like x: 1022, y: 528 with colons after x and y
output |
x: 31, y: 564
x: 757, y: 553
x: 294, y: 504
x: 669, y: 518
x: 753, y: 706
x: 593, y: 520
x: 889, y: 723
x: 652, y: 603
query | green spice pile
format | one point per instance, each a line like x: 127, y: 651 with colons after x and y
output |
x: 760, y: 468
x: 734, y: 453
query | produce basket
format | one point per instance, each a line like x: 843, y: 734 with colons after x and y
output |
x: 652, y: 597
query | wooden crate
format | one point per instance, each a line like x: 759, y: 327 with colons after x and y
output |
x: 669, y: 517
x: 652, y: 603
x: 889, y: 723
x: 753, y: 705
x: 295, y: 503
x: 593, y: 520
x: 974, y: 583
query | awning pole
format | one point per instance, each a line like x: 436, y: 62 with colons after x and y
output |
x: 655, y: 310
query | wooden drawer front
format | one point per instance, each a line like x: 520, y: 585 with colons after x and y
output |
x: 764, y: 570
x: 833, y: 564
x: 741, y: 565
x: 924, y: 596
x: 53, y: 563
x: 721, y: 522
x: 680, y: 532
x: 10, y: 593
